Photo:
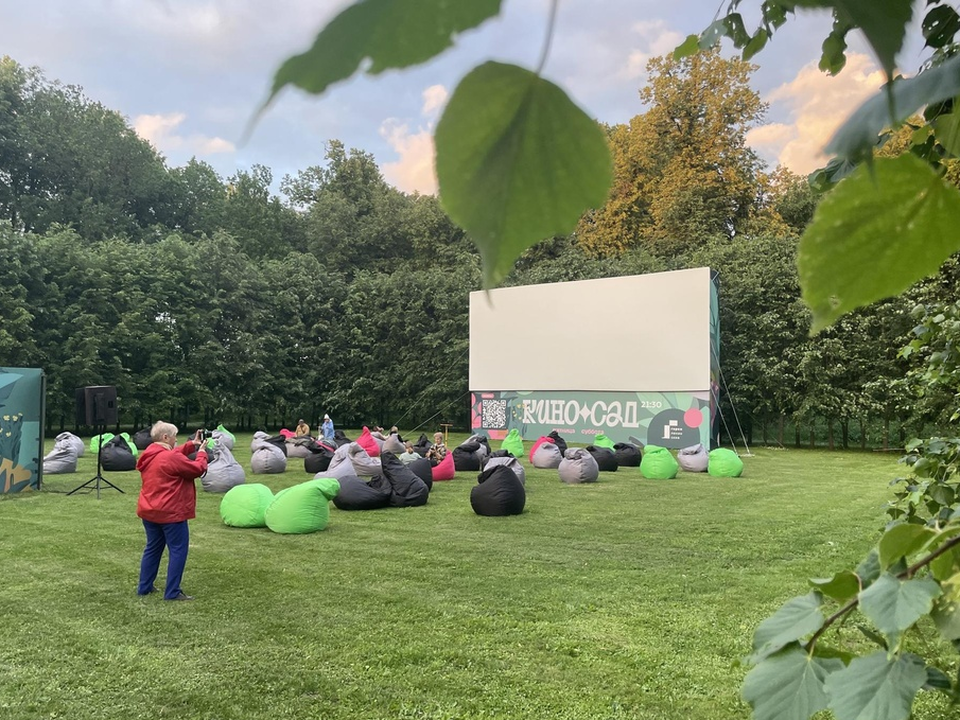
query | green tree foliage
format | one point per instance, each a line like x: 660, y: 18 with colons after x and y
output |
x: 70, y: 161
x: 682, y: 170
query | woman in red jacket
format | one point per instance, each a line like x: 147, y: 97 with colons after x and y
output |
x: 168, y: 498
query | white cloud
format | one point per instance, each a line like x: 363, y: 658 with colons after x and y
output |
x: 434, y: 98
x: 414, y: 171
x: 161, y: 131
x: 655, y: 40
x: 817, y: 105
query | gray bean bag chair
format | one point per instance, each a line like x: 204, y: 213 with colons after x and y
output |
x: 627, y: 454
x: 605, y: 457
x: 578, y: 466
x: 547, y: 456
x: 63, y: 457
x: 498, y: 493
x: 74, y: 442
x: 266, y: 458
x: 408, y: 489
x: 225, y: 439
x: 223, y: 470
x: 694, y: 458
x: 393, y: 445
x: 357, y: 494
x: 356, y: 458
x: 297, y: 447
x: 508, y: 461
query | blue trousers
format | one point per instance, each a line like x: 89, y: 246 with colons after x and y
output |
x: 175, y: 537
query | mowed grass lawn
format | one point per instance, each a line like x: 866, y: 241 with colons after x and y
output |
x: 629, y: 598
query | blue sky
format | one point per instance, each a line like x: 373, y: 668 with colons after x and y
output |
x: 189, y: 74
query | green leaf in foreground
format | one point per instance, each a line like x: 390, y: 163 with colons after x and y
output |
x: 391, y: 33
x: 902, y: 541
x: 798, y: 617
x: 841, y: 587
x: 876, y: 688
x: 893, y: 605
x: 517, y: 162
x: 946, y: 611
x: 875, y: 235
x: 788, y: 685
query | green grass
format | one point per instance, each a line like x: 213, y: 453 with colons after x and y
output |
x: 630, y: 598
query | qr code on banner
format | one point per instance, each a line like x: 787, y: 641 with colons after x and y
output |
x: 493, y: 414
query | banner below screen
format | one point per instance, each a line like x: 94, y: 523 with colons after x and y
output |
x: 668, y: 419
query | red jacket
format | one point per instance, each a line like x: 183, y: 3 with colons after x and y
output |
x: 168, y: 493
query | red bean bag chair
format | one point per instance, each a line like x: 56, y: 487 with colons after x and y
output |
x: 445, y: 470
x: 287, y: 434
x: 368, y: 442
x: 541, y: 439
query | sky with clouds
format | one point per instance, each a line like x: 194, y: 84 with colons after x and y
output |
x: 190, y: 74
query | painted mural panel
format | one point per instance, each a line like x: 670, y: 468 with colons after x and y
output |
x: 21, y: 428
x: 669, y: 419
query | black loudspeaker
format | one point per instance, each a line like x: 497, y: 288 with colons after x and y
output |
x: 97, y: 405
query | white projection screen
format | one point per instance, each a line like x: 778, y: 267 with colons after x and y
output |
x: 637, y: 333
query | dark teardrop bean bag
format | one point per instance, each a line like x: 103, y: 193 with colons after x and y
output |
x: 605, y: 457
x: 557, y: 440
x: 357, y: 494
x: 116, y: 456
x: 318, y: 457
x: 627, y: 454
x: 408, y: 489
x: 423, y: 469
x: 498, y: 493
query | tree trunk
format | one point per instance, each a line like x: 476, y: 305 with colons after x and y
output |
x: 845, y: 434
x: 780, y: 431
x: 813, y: 430
x: 830, y: 433
x: 886, y: 434
x: 796, y: 433
x: 764, y: 430
x: 863, y: 436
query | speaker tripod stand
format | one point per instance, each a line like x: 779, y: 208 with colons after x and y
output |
x: 98, y: 479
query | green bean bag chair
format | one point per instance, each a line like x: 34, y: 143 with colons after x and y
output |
x: 513, y: 443
x: 604, y: 441
x: 97, y: 440
x: 303, y: 508
x: 658, y: 463
x: 226, y: 437
x: 246, y: 506
x: 724, y: 463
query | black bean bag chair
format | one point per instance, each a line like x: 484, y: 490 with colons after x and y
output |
x: 340, y: 439
x: 605, y: 457
x: 357, y: 494
x: 507, y: 460
x: 423, y: 469
x: 422, y: 445
x: 467, y: 456
x: 280, y: 441
x: 558, y: 441
x: 627, y: 454
x: 408, y: 489
x: 498, y: 492
x: 318, y: 458
x: 116, y: 456
x: 141, y: 438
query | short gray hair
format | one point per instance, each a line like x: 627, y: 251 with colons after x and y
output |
x: 161, y: 428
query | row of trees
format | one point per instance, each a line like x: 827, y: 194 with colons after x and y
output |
x: 203, y: 297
